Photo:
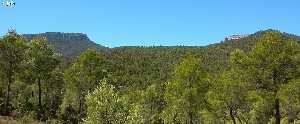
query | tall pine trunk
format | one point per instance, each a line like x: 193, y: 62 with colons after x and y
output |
x: 80, y: 109
x: 190, y: 114
x: 6, y: 106
x: 40, y: 100
x: 277, y: 112
x: 232, y: 116
x: 190, y: 119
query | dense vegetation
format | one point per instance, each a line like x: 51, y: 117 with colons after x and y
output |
x: 253, y: 80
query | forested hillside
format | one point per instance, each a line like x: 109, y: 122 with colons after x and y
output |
x: 252, y: 80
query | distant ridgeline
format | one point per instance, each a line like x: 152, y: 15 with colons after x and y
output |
x: 60, y: 36
x: 68, y: 44
x: 71, y: 45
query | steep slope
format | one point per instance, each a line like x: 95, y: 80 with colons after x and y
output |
x: 68, y: 44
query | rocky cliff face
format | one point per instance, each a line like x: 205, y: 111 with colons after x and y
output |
x: 68, y: 44
x: 57, y: 36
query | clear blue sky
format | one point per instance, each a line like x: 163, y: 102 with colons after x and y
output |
x: 152, y: 22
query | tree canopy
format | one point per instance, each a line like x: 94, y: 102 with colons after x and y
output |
x: 250, y: 80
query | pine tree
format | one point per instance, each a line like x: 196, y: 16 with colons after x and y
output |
x: 12, y: 49
x: 42, y: 61
x: 185, y: 92
x: 272, y: 63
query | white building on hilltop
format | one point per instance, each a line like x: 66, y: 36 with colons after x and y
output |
x: 235, y: 37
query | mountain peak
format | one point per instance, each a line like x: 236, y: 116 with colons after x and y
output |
x: 68, y: 44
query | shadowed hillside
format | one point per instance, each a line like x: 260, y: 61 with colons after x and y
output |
x: 69, y: 44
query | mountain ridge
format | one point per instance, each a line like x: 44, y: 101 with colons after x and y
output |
x: 73, y: 44
x: 68, y: 44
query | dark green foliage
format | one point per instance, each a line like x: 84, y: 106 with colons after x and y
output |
x: 32, y: 66
x: 185, y: 92
x: 41, y: 62
x: 236, y: 81
x: 272, y: 63
x: 81, y: 77
x: 12, y: 48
